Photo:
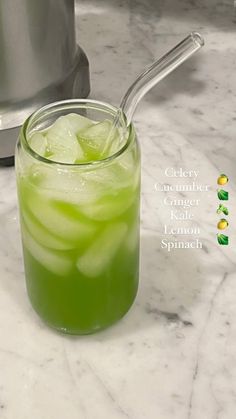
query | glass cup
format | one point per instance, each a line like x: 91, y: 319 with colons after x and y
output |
x: 80, y: 226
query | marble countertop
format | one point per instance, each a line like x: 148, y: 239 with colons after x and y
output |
x: 174, y: 355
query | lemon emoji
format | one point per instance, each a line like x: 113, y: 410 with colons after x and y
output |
x: 222, y: 179
x: 222, y: 224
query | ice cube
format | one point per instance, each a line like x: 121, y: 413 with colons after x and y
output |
x: 108, y: 206
x: 111, y: 178
x: 59, y: 223
x: 62, y: 142
x: 41, y: 235
x: 62, y: 185
x: 56, y: 262
x: 101, y: 252
x: 38, y: 143
x: 115, y: 140
x: 78, y: 122
x: 115, y: 191
x: 93, y: 139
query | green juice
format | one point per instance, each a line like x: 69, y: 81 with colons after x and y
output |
x: 80, y: 234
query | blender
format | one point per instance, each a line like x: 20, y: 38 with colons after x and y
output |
x: 40, y: 63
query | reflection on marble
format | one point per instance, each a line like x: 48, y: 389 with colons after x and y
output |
x: 174, y: 355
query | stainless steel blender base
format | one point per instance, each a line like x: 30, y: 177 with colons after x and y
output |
x: 75, y: 85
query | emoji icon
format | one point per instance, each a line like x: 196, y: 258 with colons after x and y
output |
x: 222, y: 224
x: 222, y: 179
x: 223, y: 209
x: 222, y: 239
x: 223, y: 195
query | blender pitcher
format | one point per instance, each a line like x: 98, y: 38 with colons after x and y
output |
x: 40, y: 63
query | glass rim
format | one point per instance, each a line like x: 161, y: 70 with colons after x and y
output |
x: 63, y: 105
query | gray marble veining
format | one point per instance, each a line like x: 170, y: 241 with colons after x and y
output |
x: 174, y: 355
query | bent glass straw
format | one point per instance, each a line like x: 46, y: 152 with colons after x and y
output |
x: 153, y: 75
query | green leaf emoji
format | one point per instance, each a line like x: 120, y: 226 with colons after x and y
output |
x: 223, y: 195
x: 222, y: 209
x: 222, y: 239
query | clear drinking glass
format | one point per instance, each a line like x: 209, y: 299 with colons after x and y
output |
x: 80, y: 226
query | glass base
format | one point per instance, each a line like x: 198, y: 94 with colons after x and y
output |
x: 67, y: 331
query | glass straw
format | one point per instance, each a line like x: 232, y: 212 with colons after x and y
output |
x: 153, y: 75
